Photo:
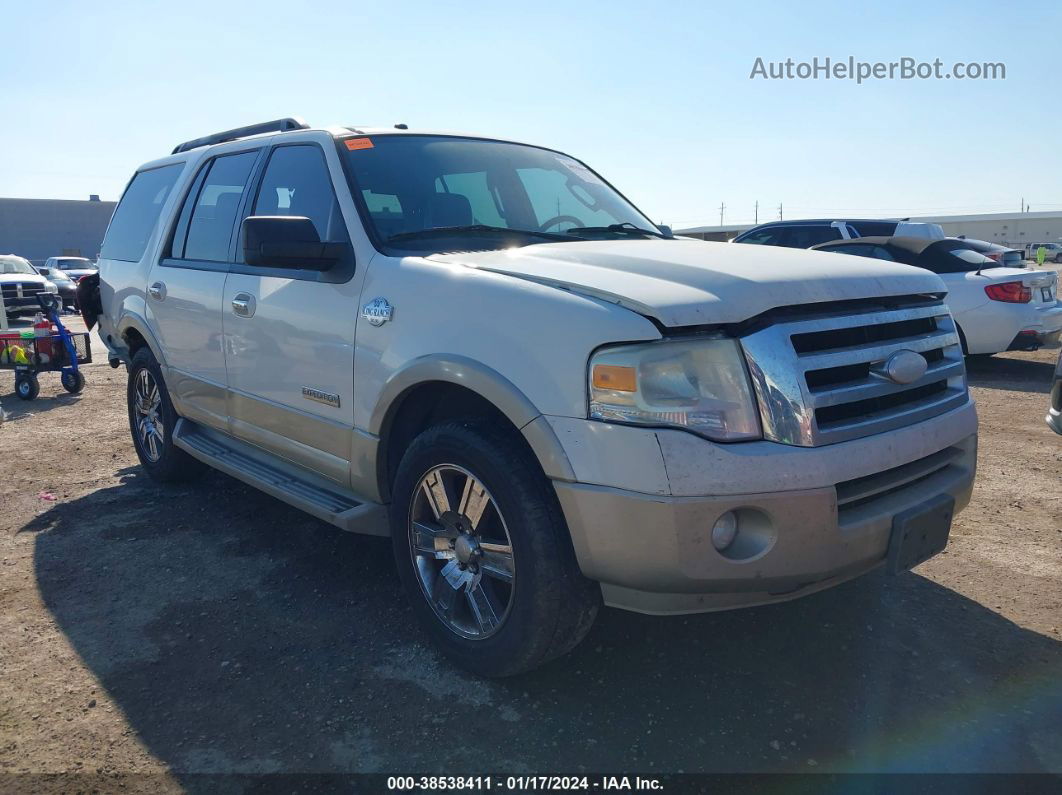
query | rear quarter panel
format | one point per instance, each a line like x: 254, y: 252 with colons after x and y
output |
x: 123, y: 284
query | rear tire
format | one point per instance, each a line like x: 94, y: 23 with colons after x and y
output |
x: 73, y: 382
x: 152, y: 421
x: 520, y: 599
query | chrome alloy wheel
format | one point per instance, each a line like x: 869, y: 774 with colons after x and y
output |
x: 148, y: 410
x: 461, y: 552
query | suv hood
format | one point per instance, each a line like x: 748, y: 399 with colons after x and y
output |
x: 691, y: 283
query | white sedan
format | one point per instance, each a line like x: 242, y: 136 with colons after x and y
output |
x: 996, y: 308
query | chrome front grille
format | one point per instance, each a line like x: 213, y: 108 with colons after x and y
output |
x: 820, y: 379
x: 14, y: 290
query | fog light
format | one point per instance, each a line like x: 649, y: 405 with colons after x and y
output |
x: 725, y: 530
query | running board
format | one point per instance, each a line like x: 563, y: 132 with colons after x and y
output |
x: 281, y: 479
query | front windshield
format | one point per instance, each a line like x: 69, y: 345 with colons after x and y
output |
x: 75, y: 264
x: 12, y: 265
x: 413, y: 184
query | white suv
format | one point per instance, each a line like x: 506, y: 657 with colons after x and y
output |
x: 483, y: 350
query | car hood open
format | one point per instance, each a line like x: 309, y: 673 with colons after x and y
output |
x: 692, y: 283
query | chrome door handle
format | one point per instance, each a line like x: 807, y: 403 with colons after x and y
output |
x: 157, y: 291
x: 243, y: 304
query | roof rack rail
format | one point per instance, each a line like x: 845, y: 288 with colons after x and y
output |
x: 277, y: 125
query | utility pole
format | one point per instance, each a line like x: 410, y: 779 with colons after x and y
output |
x: 757, y: 212
x: 1022, y: 208
x: 722, y: 208
x: 779, y: 211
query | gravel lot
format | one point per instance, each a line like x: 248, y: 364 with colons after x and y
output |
x: 210, y: 628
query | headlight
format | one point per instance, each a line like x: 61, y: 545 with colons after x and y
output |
x: 700, y: 385
x: 50, y: 287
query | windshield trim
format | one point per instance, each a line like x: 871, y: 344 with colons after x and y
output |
x: 387, y: 249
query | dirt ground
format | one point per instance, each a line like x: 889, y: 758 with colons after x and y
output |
x: 212, y: 629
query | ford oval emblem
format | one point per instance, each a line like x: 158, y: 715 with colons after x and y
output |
x: 377, y: 311
x: 903, y: 367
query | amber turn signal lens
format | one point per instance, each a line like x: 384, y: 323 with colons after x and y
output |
x: 616, y: 378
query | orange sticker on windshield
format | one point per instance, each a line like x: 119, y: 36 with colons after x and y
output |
x: 359, y: 143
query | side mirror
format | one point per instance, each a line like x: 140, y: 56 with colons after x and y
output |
x: 287, y: 241
x: 665, y: 230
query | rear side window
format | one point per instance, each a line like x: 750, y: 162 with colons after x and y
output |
x: 297, y: 182
x: 764, y: 237
x: 863, y: 250
x: 216, y: 204
x: 808, y: 236
x: 137, y: 213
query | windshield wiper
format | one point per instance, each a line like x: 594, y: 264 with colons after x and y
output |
x: 474, y: 229
x: 626, y: 228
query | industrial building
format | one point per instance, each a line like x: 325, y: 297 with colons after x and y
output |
x: 40, y: 228
x: 1007, y: 229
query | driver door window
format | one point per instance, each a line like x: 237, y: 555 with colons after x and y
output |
x: 297, y: 182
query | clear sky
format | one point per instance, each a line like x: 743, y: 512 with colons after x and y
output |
x: 656, y: 97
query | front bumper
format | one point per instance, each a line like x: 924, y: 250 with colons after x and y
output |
x: 21, y: 306
x: 652, y: 553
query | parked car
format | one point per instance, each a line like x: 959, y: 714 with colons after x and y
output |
x: 996, y: 308
x: 1054, y: 413
x: 20, y: 284
x: 74, y: 267
x: 66, y: 286
x: 1054, y: 251
x: 805, y: 234
x: 1008, y: 257
x: 483, y: 350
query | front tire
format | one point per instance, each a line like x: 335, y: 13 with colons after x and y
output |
x: 27, y: 387
x: 483, y: 551
x: 152, y: 421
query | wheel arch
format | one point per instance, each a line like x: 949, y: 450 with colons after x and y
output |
x: 135, y: 334
x: 439, y: 388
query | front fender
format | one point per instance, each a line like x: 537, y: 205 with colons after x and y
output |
x: 489, y: 384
